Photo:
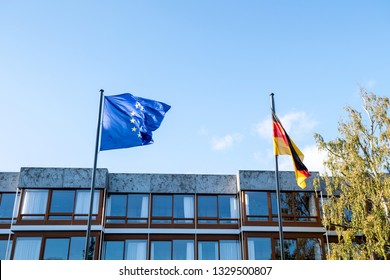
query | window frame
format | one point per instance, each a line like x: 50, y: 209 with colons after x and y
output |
x: 289, y: 219
x: 219, y: 222
x: 47, y: 216
x: 127, y: 221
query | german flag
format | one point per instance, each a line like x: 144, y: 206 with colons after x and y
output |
x: 283, y: 145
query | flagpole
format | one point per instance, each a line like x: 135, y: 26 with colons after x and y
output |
x: 278, y: 192
x: 87, y: 238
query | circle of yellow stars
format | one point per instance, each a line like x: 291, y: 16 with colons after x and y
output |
x: 132, y: 120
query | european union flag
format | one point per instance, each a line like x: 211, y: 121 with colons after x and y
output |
x: 128, y: 121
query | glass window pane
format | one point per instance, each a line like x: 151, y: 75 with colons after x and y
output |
x: 208, y: 250
x: 113, y: 250
x: 305, y: 205
x: 184, y: 206
x: 207, y: 206
x: 34, y: 202
x: 160, y: 250
x: 62, y: 201
x: 286, y: 204
x: 27, y: 248
x: 162, y: 206
x: 290, y: 249
x: 116, y: 205
x: 138, y: 206
x: 6, y: 207
x: 227, y: 206
x: 83, y: 201
x: 3, y: 249
x: 77, y: 247
x: 309, y: 249
x: 136, y: 249
x: 229, y: 250
x: 56, y: 249
x: 256, y: 204
x: 183, y: 249
x: 259, y: 248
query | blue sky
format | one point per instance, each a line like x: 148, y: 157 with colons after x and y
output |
x: 215, y: 62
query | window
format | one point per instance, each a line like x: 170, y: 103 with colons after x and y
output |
x: 27, y: 248
x: 34, y: 204
x: 213, y: 209
x: 295, y: 206
x: 83, y: 204
x: 259, y: 248
x: 178, y: 209
x: 256, y: 206
x: 300, y: 249
x: 162, y: 209
x: 65, y: 248
x: 160, y: 250
x: 128, y: 208
x: 125, y: 250
x: 172, y: 250
x: 4, y: 254
x: 61, y: 206
x: 7, y: 201
x: 219, y: 250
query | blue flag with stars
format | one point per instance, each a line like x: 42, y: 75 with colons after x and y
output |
x: 128, y: 121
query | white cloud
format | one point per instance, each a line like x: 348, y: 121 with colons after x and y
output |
x: 225, y: 142
x: 295, y: 123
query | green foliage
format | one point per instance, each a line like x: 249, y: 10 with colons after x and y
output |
x: 358, y: 182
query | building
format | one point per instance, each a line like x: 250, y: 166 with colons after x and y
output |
x: 44, y: 211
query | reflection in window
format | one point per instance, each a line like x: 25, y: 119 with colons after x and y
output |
x: 178, y: 209
x: 66, y: 248
x: 298, y: 206
x: 113, y: 250
x: 34, y: 204
x: 162, y: 208
x: 125, y: 250
x: 61, y: 204
x: 7, y: 201
x: 183, y: 250
x: 214, y: 209
x: 300, y: 249
x: 127, y: 208
x: 256, y: 206
x: 207, y: 209
x: 160, y: 250
x: 56, y: 249
x: 219, y: 250
x: 3, y: 249
x: 27, y: 248
x: 259, y: 248
x: 208, y: 250
x: 138, y: 207
x: 228, y: 208
x: 183, y: 208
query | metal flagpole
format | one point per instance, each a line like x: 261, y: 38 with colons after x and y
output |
x: 87, y: 239
x: 278, y: 192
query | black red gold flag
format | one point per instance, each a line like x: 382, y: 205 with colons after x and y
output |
x: 284, y: 145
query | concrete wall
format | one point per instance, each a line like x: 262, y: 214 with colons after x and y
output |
x: 9, y: 181
x: 172, y: 183
x: 154, y: 183
x: 265, y: 180
x: 61, y: 178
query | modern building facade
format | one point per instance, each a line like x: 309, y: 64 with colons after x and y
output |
x: 44, y: 212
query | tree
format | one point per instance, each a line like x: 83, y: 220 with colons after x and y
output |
x: 358, y: 182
